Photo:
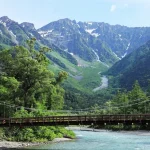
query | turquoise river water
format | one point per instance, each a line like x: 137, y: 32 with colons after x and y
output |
x: 103, y: 140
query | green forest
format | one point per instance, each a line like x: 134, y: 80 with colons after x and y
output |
x: 27, y: 84
x: 29, y: 88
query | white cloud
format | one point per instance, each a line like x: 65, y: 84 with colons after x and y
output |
x: 113, y: 8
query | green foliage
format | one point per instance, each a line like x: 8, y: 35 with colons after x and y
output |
x: 65, y: 55
x: 46, y: 133
x: 137, y: 94
x: 125, y: 102
x: 22, y: 113
x: 134, y: 66
x: 56, y: 61
x: 66, y: 133
x: 131, y: 102
x: 25, y: 78
x: 2, y: 135
x: 75, y: 99
x: 36, y: 134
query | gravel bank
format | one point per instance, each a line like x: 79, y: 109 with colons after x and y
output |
x: 20, y: 145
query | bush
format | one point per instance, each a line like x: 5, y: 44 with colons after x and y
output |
x: 1, y: 133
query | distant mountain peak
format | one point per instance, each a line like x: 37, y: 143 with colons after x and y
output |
x: 5, y: 18
x: 27, y: 25
x: 66, y: 21
x: 6, y: 21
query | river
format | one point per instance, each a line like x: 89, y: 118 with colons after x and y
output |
x: 103, y: 140
x: 104, y: 84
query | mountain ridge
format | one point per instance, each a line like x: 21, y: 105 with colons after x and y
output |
x: 121, y: 40
x: 83, y: 49
x: 89, y: 40
x: 134, y: 66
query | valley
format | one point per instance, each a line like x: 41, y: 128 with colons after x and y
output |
x: 77, y: 47
x: 68, y: 66
x: 83, y: 49
x: 72, y: 67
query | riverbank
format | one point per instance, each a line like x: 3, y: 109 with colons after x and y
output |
x: 104, y: 140
x: 135, y: 132
x: 18, y: 145
x: 80, y: 131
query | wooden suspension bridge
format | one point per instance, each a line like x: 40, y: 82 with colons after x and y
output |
x: 142, y: 119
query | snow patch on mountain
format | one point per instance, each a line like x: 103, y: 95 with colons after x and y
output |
x: 4, y: 23
x: 45, y: 33
x: 95, y: 34
x: 14, y: 36
x: 128, y: 46
x: 12, y: 33
x: 124, y: 55
x: 116, y: 56
x: 89, y: 23
x: 97, y: 57
x: 120, y: 37
x: 78, y: 25
x: 31, y: 34
x: 71, y: 54
x: 89, y: 30
x: 66, y: 50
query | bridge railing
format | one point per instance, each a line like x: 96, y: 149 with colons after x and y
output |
x: 65, y: 119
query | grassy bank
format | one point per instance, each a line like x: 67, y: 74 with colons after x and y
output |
x: 35, y: 134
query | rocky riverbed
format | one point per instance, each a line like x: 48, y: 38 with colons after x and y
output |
x: 19, y: 145
x: 103, y: 85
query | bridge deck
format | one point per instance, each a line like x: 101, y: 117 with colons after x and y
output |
x: 76, y: 120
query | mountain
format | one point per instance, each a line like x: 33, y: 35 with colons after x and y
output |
x: 91, y: 41
x: 84, y: 50
x: 78, y: 47
x: 72, y: 37
x: 95, y: 40
x: 13, y: 33
x: 134, y: 66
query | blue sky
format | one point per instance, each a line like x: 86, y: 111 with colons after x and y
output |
x: 133, y: 13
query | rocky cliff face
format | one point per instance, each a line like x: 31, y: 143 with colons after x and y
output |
x: 95, y: 40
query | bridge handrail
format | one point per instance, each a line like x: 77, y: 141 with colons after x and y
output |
x: 78, y: 118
